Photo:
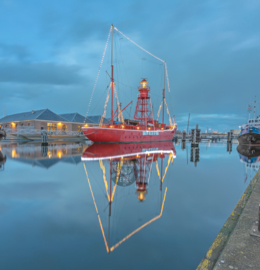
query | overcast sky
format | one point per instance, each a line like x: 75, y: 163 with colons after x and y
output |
x: 50, y: 53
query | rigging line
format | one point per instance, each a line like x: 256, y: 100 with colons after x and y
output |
x: 100, y: 99
x: 100, y: 223
x: 97, y: 182
x: 166, y: 71
x: 141, y: 227
x: 123, y: 84
x: 119, y: 166
x: 138, y: 45
x: 98, y: 74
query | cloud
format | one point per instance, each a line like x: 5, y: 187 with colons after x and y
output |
x: 40, y: 73
x: 247, y: 44
x: 15, y: 52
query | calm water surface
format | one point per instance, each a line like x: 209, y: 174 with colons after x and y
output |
x: 165, y: 213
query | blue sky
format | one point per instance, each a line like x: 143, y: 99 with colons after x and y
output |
x: 50, y: 52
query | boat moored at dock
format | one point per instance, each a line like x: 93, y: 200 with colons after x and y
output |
x: 143, y: 128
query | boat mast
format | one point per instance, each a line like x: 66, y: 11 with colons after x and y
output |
x: 254, y: 107
x: 112, y: 78
x: 163, y: 95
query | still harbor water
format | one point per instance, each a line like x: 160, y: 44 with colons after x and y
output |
x: 73, y: 206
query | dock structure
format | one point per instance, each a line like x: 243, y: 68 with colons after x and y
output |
x: 237, y: 246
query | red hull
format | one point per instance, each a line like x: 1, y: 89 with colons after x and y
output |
x: 117, y: 151
x: 117, y: 135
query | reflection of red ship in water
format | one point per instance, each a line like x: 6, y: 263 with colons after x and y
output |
x: 129, y: 163
x: 133, y: 160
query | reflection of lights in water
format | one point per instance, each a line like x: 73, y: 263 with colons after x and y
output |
x: 13, y: 153
x: 49, y: 154
x: 141, y: 196
x: 59, y: 154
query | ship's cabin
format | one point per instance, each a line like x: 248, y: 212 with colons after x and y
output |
x: 253, y: 121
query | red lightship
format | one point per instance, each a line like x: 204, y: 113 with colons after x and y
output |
x: 142, y: 129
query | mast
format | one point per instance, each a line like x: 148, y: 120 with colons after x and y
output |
x: 112, y: 77
x: 254, y: 107
x: 163, y: 94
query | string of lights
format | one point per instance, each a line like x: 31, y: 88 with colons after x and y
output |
x: 102, y: 167
x: 158, y: 171
x: 159, y: 111
x: 105, y: 107
x: 118, y: 106
x: 169, y: 162
x: 168, y: 83
x: 98, y: 74
x: 167, y: 109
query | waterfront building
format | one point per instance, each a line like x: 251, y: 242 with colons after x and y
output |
x: 30, y: 125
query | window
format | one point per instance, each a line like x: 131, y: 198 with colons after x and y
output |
x: 50, y: 126
x: 55, y: 127
x: 29, y: 124
x: 21, y: 124
x: 64, y: 128
x: 79, y: 128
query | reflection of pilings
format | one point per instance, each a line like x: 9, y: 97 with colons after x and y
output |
x: 229, y: 136
x: 195, y: 155
x: 195, y: 136
x: 229, y: 147
x: 183, y: 145
x: 44, y: 150
x: 2, y: 161
x: 44, y: 136
x: 183, y: 136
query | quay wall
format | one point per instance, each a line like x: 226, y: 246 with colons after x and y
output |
x: 222, y: 239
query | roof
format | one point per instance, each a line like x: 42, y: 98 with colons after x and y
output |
x: 76, y: 117
x: 96, y: 119
x: 45, y: 114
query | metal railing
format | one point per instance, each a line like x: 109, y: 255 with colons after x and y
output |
x: 29, y: 131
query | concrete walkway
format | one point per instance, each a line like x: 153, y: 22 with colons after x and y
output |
x: 242, y: 250
x: 234, y: 247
